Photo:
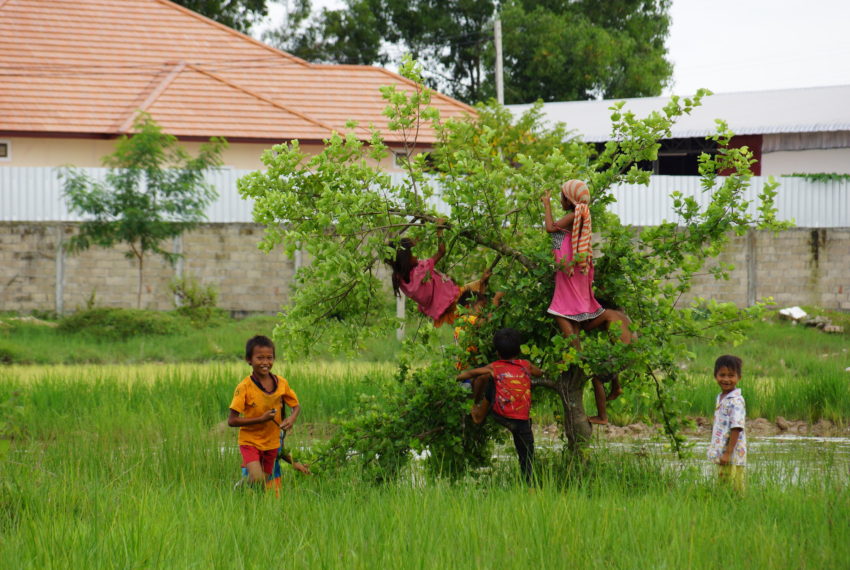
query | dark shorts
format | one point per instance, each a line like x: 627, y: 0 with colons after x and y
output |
x: 266, y: 458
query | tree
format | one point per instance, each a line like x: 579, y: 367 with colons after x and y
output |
x: 491, y: 171
x: 154, y: 191
x: 554, y: 50
x: 237, y: 14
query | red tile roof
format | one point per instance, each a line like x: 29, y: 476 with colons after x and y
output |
x: 85, y: 67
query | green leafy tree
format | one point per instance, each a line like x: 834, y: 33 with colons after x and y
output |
x: 237, y: 14
x: 553, y: 50
x: 154, y: 191
x: 490, y: 172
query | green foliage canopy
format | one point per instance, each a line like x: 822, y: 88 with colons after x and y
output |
x: 154, y: 191
x: 553, y: 50
x: 490, y: 172
x: 237, y: 14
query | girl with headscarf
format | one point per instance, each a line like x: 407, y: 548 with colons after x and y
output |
x: 573, y: 304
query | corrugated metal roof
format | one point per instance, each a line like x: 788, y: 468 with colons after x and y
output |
x: 803, y: 110
x: 84, y: 67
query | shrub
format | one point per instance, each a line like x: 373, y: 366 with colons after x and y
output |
x: 195, y: 301
x: 120, y: 324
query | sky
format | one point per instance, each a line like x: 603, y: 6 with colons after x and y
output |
x: 750, y: 45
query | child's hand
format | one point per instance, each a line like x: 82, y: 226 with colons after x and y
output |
x: 724, y: 459
x: 441, y: 223
x: 287, y: 424
x: 546, y: 197
x: 269, y: 415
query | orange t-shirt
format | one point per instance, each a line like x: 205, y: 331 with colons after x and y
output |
x: 252, y: 402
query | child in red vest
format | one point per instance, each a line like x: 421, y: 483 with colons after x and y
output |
x: 510, y: 393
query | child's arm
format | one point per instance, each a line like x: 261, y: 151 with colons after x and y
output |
x: 534, y: 371
x: 734, y: 435
x: 550, y: 225
x: 441, y: 247
x: 473, y: 372
x: 288, y: 422
x: 235, y: 420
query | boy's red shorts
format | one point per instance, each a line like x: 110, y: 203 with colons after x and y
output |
x: 266, y: 458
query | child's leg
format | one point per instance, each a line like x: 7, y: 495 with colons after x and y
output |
x: 523, y: 443
x: 255, y: 472
x: 601, y: 417
x: 481, y: 394
x: 616, y: 390
x: 569, y: 329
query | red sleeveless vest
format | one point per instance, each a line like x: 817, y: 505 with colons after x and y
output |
x: 513, y: 389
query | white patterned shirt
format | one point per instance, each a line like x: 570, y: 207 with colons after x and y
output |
x: 730, y: 412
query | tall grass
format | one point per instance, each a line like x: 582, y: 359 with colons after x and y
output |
x: 127, y: 466
x: 790, y: 371
x: 170, y: 503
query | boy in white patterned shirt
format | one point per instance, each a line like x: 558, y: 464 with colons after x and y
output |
x: 728, y: 446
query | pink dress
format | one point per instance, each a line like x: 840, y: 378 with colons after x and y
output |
x: 573, y: 298
x: 432, y: 291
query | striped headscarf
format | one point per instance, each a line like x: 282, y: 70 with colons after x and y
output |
x: 576, y: 191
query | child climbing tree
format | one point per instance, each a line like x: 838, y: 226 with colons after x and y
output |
x: 491, y: 171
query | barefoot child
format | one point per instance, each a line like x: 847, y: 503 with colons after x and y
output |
x: 728, y: 446
x: 435, y: 294
x: 256, y: 409
x: 511, y: 393
x: 573, y: 304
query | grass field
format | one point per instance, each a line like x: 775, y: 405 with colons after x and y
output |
x: 129, y: 466
x: 128, y: 463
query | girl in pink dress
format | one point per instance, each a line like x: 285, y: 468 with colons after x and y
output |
x: 573, y: 304
x: 435, y: 294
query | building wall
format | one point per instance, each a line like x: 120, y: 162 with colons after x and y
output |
x: 795, y: 267
x: 88, y: 153
x: 831, y: 160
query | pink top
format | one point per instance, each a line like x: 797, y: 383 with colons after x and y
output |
x: 432, y: 291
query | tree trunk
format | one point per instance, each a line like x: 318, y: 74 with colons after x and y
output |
x: 139, y: 290
x: 570, y: 387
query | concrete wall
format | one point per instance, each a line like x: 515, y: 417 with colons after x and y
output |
x: 36, y: 274
x: 795, y: 267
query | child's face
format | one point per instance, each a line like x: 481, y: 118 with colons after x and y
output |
x: 727, y: 379
x: 262, y: 360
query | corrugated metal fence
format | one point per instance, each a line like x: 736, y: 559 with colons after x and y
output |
x: 29, y: 194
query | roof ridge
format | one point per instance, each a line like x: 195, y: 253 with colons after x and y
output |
x: 230, y: 30
x: 395, y: 75
x: 260, y: 96
x: 153, y: 95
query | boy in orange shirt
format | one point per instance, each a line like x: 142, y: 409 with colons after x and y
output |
x: 256, y: 409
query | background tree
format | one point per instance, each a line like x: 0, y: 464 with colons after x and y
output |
x: 554, y: 50
x: 490, y: 172
x: 154, y: 191
x: 237, y: 14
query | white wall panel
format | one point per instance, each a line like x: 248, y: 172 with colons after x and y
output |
x: 34, y: 194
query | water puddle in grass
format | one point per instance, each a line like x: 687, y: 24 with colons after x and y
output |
x: 785, y: 458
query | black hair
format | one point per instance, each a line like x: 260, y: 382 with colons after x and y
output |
x: 469, y: 298
x: 508, y: 343
x: 256, y: 341
x: 402, y: 263
x: 733, y: 363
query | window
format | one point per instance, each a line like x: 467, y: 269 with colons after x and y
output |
x: 5, y: 150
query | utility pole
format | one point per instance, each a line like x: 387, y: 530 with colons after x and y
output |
x: 500, y: 87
